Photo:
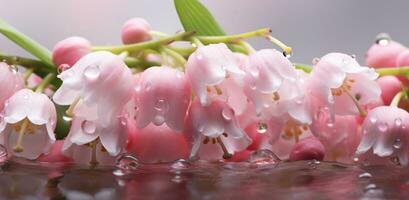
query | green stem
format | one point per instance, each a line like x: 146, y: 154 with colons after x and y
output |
x: 137, y: 63
x: 175, y: 55
x: 396, y: 99
x: 304, y: 67
x: 46, y: 81
x: 131, y: 48
x: 234, y: 38
x: 196, y: 42
x: 26, y: 62
x: 27, y: 74
x: 247, y: 46
x: 404, y: 71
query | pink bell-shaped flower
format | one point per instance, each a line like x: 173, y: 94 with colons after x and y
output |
x: 214, y: 132
x: 70, y: 50
x: 341, y: 84
x: 155, y: 144
x: 162, y: 95
x: 27, y: 124
x: 10, y: 81
x: 88, y: 133
x: 340, y: 136
x: 386, y: 131
x: 214, y: 72
x: 135, y: 30
x: 101, y: 80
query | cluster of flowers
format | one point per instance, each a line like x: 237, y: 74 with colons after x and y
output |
x: 218, y: 104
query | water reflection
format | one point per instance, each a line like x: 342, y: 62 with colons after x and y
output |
x: 204, y: 180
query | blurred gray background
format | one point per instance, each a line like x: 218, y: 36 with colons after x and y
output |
x: 311, y: 27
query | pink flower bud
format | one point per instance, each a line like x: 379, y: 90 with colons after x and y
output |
x: 403, y: 59
x: 309, y: 148
x: 136, y: 30
x: 384, y: 54
x: 390, y: 86
x: 70, y: 50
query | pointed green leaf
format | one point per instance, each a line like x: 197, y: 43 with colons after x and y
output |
x: 194, y: 16
x: 26, y: 43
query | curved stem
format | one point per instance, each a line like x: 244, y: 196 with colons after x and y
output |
x: 27, y: 74
x: 46, y: 81
x: 131, y: 48
x: 26, y: 62
x: 247, y: 46
x: 234, y: 38
x: 135, y: 63
x: 196, y: 42
x: 175, y: 55
x: 404, y: 71
x: 304, y: 67
x: 396, y: 99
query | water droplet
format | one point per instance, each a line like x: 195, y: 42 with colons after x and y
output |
x: 66, y: 118
x: 353, y: 56
x: 252, y: 85
x: 263, y: 157
x: 161, y: 105
x: 127, y: 162
x: 383, y: 126
x: 398, y: 122
x: 330, y: 124
x: 92, y: 72
x: 371, y: 186
x: 88, y: 127
x: 200, y: 128
x: 383, y: 39
x: 355, y: 158
x: 286, y: 54
x: 62, y: 68
x: 158, y: 120
x: 365, y: 175
x: 262, y: 128
x: 3, y: 153
x: 118, y: 172
x: 227, y: 113
x: 138, y: 88
x: 395, y: 160
x: 180, y: 164
x: 14, y: 69
x: 124, y: 120
x: 315, y: 61
x: 397, y: 144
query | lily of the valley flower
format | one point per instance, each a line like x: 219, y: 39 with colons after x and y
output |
x: 214, y: 131
x: 162, y: 96
x: 386, y: 131
x: 341, y: 84
x: 214, y: 72
x: 94, y: 137
x: 135, y: 30
x: 27, y: 124
x: 98, y: 79
x: 10, y: 82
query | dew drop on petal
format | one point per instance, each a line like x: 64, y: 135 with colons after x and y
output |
x: 88, y: 127
x: 263, y: 157
x: 355, y: 158
x: 383, y: 39
x: 330, y: 124
x: 148, y: 86
x: 138, y: 88
x: 371, y: 186
x: 315, y: 61
x: 180, y: 164
x: 199, y: 56
x: 66, y: 118
x: 161, y: 105
x: 227, y: 113
x: 397, y: 144
x: 127, y: 162
x: 353, y: 56
x: 398, y: 122
x: 383, y: 126
x: 92, y: 72
x: 252, y: 85
x: 372, y: 120
x: 262, y: 128
x: 365, y: 175
x: 118, y: 172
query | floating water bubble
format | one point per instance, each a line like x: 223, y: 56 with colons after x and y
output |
x: 262, y: 128
x: 227, y: 113
x: 365, y: 175
x: 88, y: 127
x: 92, y: 72
x: 383, y: 39
x: 263, y: 157
x: 383, y: 126
x: 180, y: 164
x: 397, y: 144
x: 127, y: 162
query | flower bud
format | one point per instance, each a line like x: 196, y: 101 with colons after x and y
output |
x: 135, y: 30
x: 70, y: 50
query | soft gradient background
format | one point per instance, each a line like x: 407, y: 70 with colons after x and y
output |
x: 311, y: 27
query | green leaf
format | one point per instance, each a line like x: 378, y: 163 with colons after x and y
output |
x: 26, y: 43
x: 194, y: 16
